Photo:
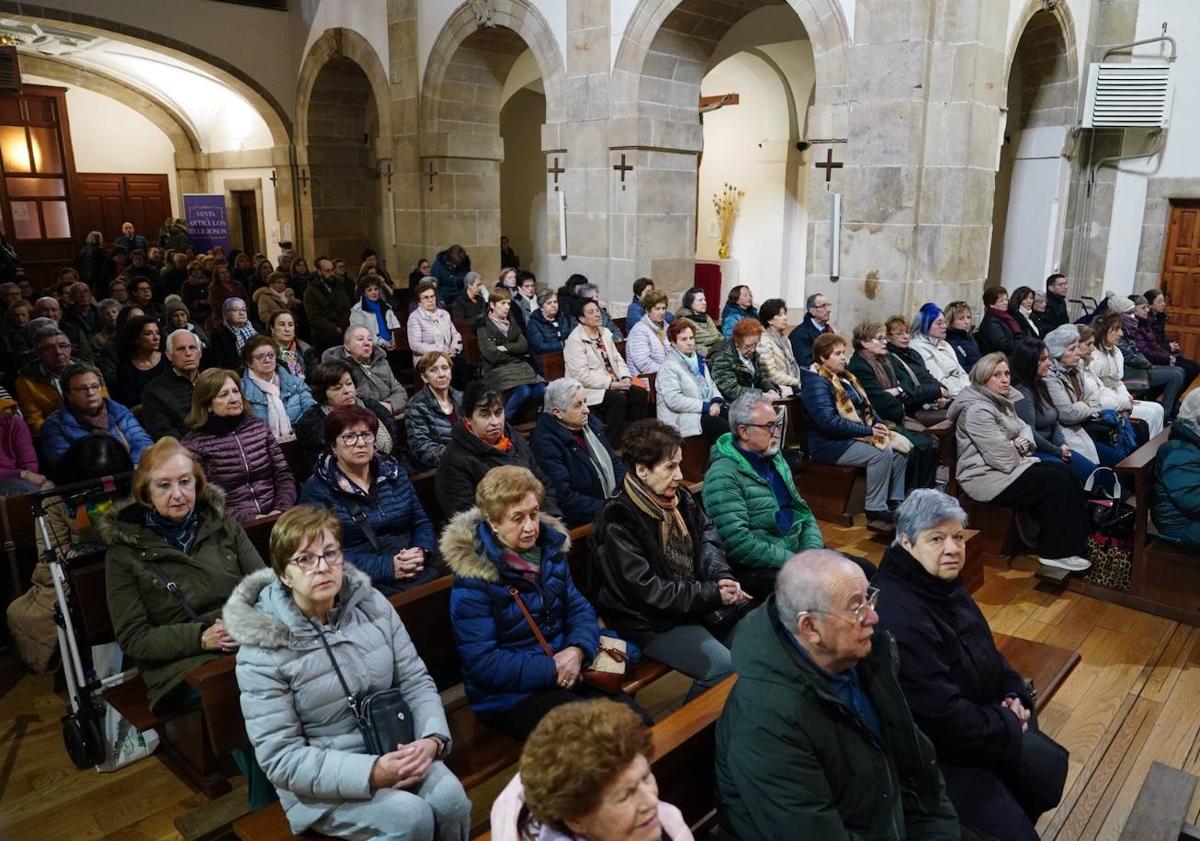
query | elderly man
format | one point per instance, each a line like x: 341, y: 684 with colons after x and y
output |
x: 326, y: 305
x: 815, y: 322
x: 167, y: 399
x: 130, y: 239
x: 38, y: 389
x: 816, y: 740
x: 750, y: 495
x: 373, y: 377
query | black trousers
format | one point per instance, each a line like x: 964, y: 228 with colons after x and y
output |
x: 521, y: 719
x: 1050, y: 492
x: 621, y: 408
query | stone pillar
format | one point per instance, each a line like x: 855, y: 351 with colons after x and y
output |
x: 464, y: 205
x: 405, y: 159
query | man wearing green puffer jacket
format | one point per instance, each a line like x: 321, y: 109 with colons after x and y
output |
x: 752, y: 499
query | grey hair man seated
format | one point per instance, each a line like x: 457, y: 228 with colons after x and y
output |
x: 167, y: 399
x: 816, y: 739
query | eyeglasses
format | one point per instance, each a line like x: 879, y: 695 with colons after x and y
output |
x: 86, y: 389
x: 899, y: 333
x: 824, y: 306
x: 879, y: 338
x: 858, y: 614
x: 349, y: 439
x: 269, y: 356
x: 308, y: 563
x: 772, y: 427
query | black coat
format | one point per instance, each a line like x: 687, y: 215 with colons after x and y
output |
x: 166, y: 401
x: 994, y: 335
x: 965, y: 346
x: 467, y: 459
x: 1055, y: 315
x: 634, y: 588
x: 224, y: 349
x: 575, y: 481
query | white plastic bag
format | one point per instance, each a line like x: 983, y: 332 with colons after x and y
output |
x: 123, y: 743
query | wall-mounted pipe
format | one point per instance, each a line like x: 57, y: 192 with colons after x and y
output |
x: 1143, y: 42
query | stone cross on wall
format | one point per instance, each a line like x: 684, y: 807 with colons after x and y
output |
x: 623, y: 168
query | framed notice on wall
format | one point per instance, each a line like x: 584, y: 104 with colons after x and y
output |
x: 207, y: 223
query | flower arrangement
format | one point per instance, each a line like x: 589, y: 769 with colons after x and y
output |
x: 727, y: 203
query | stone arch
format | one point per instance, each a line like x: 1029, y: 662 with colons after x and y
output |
x: 1058, y: 74
x: 348, y: 44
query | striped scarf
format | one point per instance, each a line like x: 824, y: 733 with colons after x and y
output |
x: 673, y: 537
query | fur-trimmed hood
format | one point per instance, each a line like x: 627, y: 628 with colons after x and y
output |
x: 468, y: 553
x: 123, y: 522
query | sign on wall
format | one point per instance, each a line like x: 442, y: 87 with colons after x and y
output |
x: 206, y: 221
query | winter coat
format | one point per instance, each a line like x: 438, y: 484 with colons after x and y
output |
x: 450, y: 281
x: 646, y: 347
x: 429, y: 427
x: 920, y: 388
x: 679, y: 402
x: 952, y: 675
x: 373, y: 380
x: 16, y: 446
x: 38, y: 395
x: 363, y: 317
x: 830, y: 434
x: 503, y: 664
x: 731, y: 375
x: 150, y: 625
x: 635, y: 589
x: 708, y: 334
x: 1073, y: 412
x: 778, y: 360
x: 507, y: 368
x: 327, y: 308
x: 310, y: 429
x: 392, y: 510
x: 576, y: 482
x: 304, y: 735
x: 985, y: 425
x: 942, y: 362
x: 166, y: 401
x: 1047, y: 432
x: 467, y: 459
x: 248, y: 465
x: 62, y: 429
x: 548, y: 336
x: 462, y: 308
x: 802, y: 337
x: 1108, y: 364
x: 1055, y: 314
x: 790, y: 753
x: 294, y: 392
x: 731, y: 314
x: 1146, y: 339
x: 430, y: 331
x: 224, y: 350
x: 582, y: 361
x: 965, y: 347
x: 743, y: 506
x: 269, y: 302
x: 995, y: 335
x: 635, y: 312
x: 1176, y: 508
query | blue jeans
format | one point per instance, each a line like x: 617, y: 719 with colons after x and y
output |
x: 518, y: 396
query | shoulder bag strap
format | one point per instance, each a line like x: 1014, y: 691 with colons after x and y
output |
x: 350, y: 700
x: 174, y: 590
x: 364, y: 522
x: 537, y: 632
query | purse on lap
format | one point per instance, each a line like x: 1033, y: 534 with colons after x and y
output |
x: 608, y: 666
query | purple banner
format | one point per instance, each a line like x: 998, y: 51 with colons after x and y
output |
x: 207, y: 225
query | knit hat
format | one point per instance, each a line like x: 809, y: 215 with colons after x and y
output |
x: 925, y: 317
x: 1120, y: 304
x: 1058, y: 339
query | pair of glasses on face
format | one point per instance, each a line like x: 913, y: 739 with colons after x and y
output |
x: 772, y: 426
x: 858, y: 614
x: 309, y: 563
x: 349, y: 439
x: 269, y: 356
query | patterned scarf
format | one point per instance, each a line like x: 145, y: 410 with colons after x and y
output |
x: 863, y: 413
x: 673, y: 537
x: 242, y: 334
x: 291, y: 359
x: 179, y: 534
x: 695, y: 365
x: 528, y: 565
x: 598, y: 344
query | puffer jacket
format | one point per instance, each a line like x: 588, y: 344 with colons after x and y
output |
x: 503, y: 663
x: 646, y: 347
x: 582, y: 361
x: 708, y: 334
x: 296, y: 396
x: 778, y: 360
x: 304, y: 735
x: 507, y: 368
x: 1109, y: 367
x: 374, y: 379
x: 985, y: 425
x: 392, y: 510
x: 966, y: 348
x: 1073, y: 412
x: 152, y: 627
x: 1176, y: 508
x: 575, y: 480
x: 429, y: 427
x: 731, y: 314
x: 635, y: 588
x: 430, y: 331
x: 548, y: 336
x: 62, y: 429
x: 248, y: 465
x: 360, y: 316
x: 1146, y: 339
x: 942, y: 362
x: 743, y: 507
x: 467, y: 459
x: 679, y: 401
x: 732, y: 377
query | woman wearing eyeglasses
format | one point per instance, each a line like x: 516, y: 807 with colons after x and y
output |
x: 297, y: 716
x: 1000, y: 772
x: 236, y: 450
x: 386, y: 532
x: 275, y: 394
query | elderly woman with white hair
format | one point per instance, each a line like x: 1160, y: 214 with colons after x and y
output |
x: 929, y: 327
x: 569, y: 445
x: 1066, y: 388
x: 231, y: 335
x: 1001, y: 773
x: 1164, y: 380
x: 1176, y: 508
x: 1105, y: 359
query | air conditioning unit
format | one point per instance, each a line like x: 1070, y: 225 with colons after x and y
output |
x: 1128, y: 96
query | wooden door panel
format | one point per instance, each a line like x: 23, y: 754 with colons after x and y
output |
x: 109, y: 199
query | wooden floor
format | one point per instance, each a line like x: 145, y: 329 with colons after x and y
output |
x: 1134, y: 698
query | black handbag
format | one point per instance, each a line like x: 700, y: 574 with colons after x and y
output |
x: 721, y: 622
x: 384, y: 718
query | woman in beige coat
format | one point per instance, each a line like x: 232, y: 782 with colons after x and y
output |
x: 590, y: 356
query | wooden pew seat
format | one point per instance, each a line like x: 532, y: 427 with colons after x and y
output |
x: 834, y: 492
x: 1162, y: 808
x: 1048, y: 666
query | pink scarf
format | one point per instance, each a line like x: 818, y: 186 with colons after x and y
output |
x: 277, y: 417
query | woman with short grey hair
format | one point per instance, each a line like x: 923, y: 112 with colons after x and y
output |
x: 1066, y: 388
x: 1001, y: 772
x: 547, y: 327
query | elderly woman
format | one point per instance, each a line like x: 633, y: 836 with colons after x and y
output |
x: 179, y: 318
x: 107, y: 330
x: 505, y: 353
x: 433, y: 411
x: 1020, y: 307
x: 1176, y: 507
x: 470, y: 304
x: 928, y: 399
x: 274, y: 297
x: 430, y: 329
x: 959, y: 335
x: 374, y: 313
x: 1154, y: 346
x: 480, y: 441
x: 510, y: 560
x: 996, y: 464
x: 139, y: 359
x: 738, y: 305
x: 585, y: 774
x: 736, y: 366
x: 843, y: 428
x: 939, y: 357
x: 373, y: 375
x: 273, y: 393
x: 547, y: 328
x: 590, y: 356
x: 1001, y: 773
x: 231, y: 334
x: 85, y: 410
x: 386, y: 532
x: 998, y: 331
x: 695, y: 310
x: 686, y: 398
x: 332, y: 387
x: 1105, y: 359
x: 1166, y: 381
x: 1156, y: 302
x: 236, y: 450
x: 1065, y: 389
x: 775, y: 352
x: 175, y: 530
x: 296, y: 357
x: 569, y: 445
x: 659, y: 571
x: 306, y: 625
x: 646, y: 346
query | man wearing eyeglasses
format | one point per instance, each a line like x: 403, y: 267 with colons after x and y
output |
x: 814, y: 324
x: 752, y: 499
x: 816, y: 739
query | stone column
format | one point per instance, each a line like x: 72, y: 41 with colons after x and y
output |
x: 464, y: 205
x: 405, y: 159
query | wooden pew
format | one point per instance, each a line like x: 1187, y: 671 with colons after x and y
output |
x: 298, y: 461
x: 1163, y: 807
x: 1046, y: 666
x: 553, y: 366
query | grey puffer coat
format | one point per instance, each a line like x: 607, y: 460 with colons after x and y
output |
x: 297, y: 718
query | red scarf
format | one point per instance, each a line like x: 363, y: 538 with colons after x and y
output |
x: 1007, y: 318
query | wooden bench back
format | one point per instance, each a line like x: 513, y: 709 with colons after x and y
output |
x: 298, y: 461
x: 553, y: 366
